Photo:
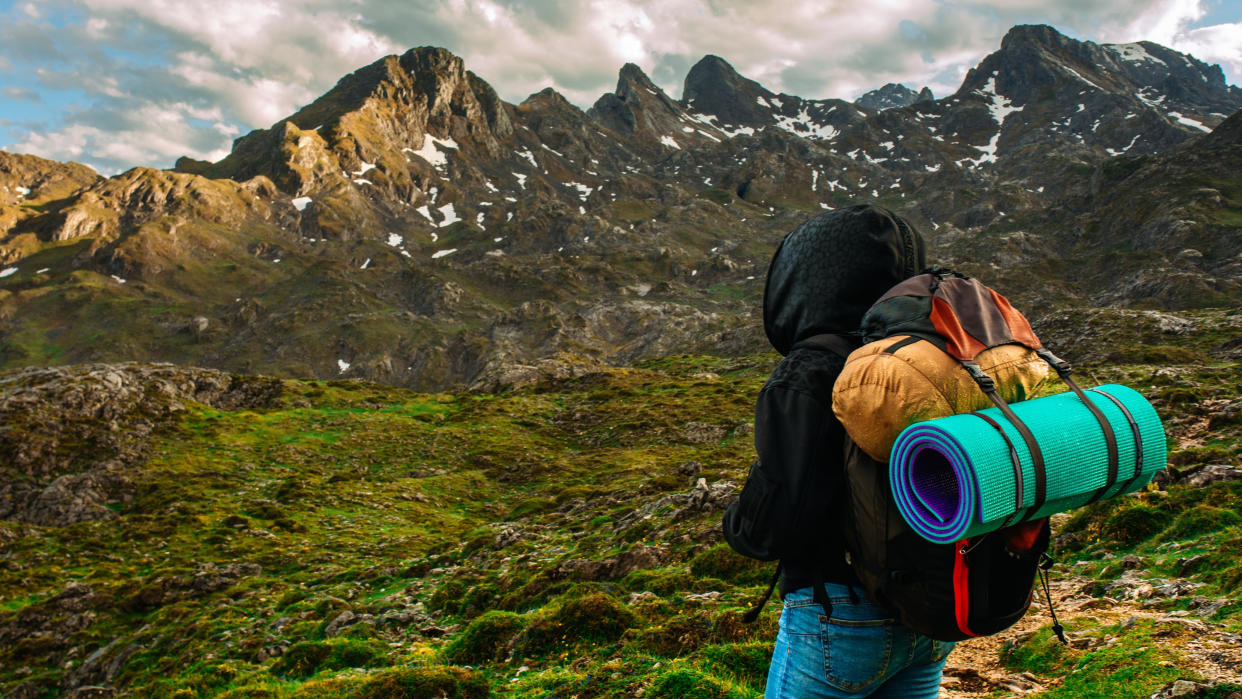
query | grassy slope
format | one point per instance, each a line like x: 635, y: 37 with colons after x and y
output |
x: 449, y: 520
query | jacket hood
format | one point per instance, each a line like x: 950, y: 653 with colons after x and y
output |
x: 828, y: 271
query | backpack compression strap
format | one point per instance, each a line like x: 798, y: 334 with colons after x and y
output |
x: 1134, y: 428
x: 1017, y: 466
x: 1063, y: 369
x: 840, y: 345
x: 1037, y: 455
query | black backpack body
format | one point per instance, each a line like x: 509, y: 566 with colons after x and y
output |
x: 973, y: 587
x: 948, y: 592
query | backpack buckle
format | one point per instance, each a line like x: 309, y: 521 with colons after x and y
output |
x: 980, y: 376
x: 1062, y: 367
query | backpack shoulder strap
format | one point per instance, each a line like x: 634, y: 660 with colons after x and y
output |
x: 839, y: 344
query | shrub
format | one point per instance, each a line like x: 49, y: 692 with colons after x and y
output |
x: 1200, y: 520
x: 593, y: 619
x: 486, y: 639
x: 690, y: 684
x: 685, y: 633
x: 722, y: 562
x: 250, y: 692
x: 1134, y: 525
x: 308, y: 657
x: 747, y: 662
x: 428, y: 681
x: 447, y: 597
x: 661, y: 582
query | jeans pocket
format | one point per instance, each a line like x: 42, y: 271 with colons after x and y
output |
x: 941, y: 649
x: 857, y: 653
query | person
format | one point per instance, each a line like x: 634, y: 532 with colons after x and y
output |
x: 832, y: 642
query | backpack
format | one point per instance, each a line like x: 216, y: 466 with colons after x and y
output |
x: 977, y: 586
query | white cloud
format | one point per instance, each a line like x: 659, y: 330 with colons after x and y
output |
x: 1169, y: 22
x: 207, y: 70
x: 151, y: 135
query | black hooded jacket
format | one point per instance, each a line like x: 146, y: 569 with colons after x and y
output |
x: 824, y: 276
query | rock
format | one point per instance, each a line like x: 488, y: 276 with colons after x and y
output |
x: 71, y: 498
x: 73, y: 432
x: 1131, y: 561
x: 508, y: 535
x: 208, y: 578
x: 1206, y: 608
x: 99, y: 667
x: 690, y: 468
x: 704, y: 498
x: 583, y: 569
x: 93, y: 692
x: 1176, y: 588
x: 641, y: 597
x: 1190, y: 257
x: 702, y: 433
x: 1211, y: 473
x: 339, y: 622
x: 637, y: 558
x: 1187, y: 566
x: 1181, y: 688
x: 198, y: 326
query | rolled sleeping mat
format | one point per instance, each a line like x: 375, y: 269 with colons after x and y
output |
x: 955, y: 478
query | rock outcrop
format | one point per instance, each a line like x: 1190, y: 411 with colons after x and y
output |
x: 71, y: 435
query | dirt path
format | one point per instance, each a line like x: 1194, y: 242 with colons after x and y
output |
x: 974, y: 669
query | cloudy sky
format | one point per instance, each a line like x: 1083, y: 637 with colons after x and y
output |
x: 119, y: 83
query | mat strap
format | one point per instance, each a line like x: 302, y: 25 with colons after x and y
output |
x: 988, y: 385
x: 1017, y: 467
x: 1063, y: 369
x: 1138, y: 437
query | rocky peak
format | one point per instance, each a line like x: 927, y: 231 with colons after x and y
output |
x: 713, y: 87
x: 1113, y: 98
x: 893, y: 95
x: 31, y: 179
x: 370, y: 120
x: 1227, y: 134
x: 1035, y: 34
x: 639, y: 109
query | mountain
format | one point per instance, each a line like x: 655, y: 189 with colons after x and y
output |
x: 410, y: 227
x: 894, y: 95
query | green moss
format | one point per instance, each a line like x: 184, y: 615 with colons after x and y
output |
x: 1198, y: 521
x: 631, y: 210
x: 724, y: 563
x: 1194, y: 456
x: 688, y: 684
x: 717, y: 195
x: 1134, y: 663
x: 685, y: 633
x: 445, y: 681
x: 1155, y: 354
x: 486, y: 639
x: 745, y: 663
x: 662, y: 582
x: 530, y: 507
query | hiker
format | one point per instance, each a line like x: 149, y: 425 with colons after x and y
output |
x: 833, y: 641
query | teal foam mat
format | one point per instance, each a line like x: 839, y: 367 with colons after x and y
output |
x: 954, y: 477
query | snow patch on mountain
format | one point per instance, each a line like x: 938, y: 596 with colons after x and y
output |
x: 1135, y: 53
x: 430, y: 150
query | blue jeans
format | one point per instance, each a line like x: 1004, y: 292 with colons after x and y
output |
x: 860, y: 652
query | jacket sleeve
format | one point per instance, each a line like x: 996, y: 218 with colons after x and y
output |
x: 775, y: 513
